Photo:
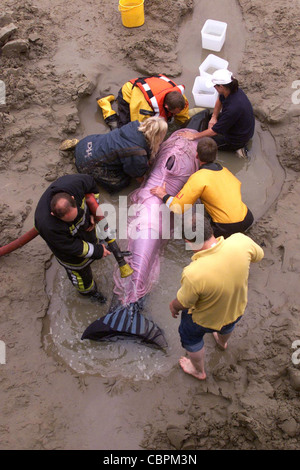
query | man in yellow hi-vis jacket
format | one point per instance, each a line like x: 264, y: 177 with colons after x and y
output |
x: 143, y: 97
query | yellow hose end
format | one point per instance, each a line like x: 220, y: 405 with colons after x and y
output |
x: 126, y: 270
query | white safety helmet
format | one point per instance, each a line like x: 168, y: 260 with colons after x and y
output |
x: 219, y: 77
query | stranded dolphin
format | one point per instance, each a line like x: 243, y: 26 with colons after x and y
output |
x: 175, y: 162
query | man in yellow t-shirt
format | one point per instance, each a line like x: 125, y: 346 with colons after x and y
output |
x: 217, y: 188
x: 213, y: 293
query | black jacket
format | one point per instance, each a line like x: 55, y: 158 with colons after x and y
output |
x: 236, y: 121
x: 114, y: 158
x: 69, y: 242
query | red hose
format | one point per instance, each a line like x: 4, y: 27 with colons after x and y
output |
x: 4, y: 250
x: 32, y: 233
x: 93, y: 206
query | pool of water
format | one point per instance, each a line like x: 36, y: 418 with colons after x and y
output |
x: 69, y: 314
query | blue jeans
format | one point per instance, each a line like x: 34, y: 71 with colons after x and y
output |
x: 191, y: 334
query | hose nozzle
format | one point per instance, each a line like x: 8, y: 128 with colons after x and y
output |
x: 104, y: 233
x: 125, y: 269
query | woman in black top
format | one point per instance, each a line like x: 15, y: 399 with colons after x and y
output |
x: 232, y: 122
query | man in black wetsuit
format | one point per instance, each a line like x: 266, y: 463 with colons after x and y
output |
x: 64, y: 221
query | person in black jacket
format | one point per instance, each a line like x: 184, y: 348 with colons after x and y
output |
x: 232, y: 123
x: 64, y: 221
x: 124, y: 153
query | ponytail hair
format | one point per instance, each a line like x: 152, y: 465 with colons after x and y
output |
x: 233, y: 86
x: 154, y: 130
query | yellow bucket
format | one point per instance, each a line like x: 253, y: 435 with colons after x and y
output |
x: 132, y: 13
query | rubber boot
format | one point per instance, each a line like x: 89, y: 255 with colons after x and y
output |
x: 98, y: 297
x: 109, y: 115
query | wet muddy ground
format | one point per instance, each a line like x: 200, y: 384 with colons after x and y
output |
x: 57, y: 392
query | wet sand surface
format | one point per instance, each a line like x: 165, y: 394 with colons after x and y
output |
x: 261, y: 177
x: 60, y: 393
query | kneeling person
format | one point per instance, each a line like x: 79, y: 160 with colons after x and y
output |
x: 113, y: 159
x: 140, y: 98
x: 218, y: 189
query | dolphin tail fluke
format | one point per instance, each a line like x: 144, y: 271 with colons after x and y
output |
x: 125, y: 321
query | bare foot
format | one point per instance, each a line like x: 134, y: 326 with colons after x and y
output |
x: 219, y: 344
x: 188, y: 367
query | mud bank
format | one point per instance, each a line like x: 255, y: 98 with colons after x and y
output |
x: 251, y: 397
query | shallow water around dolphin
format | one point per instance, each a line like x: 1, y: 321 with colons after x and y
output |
x: 68, y: 314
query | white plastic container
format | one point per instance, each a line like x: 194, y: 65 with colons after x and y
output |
x: 204, y: 96
x: 213, y: 35
x: 211, y: 64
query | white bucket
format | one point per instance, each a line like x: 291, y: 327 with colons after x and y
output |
x: 211, y: 64
x: 204, y: 96
x: 213, y: 35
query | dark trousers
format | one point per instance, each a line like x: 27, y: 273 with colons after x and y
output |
x: 223, y: 145
x: 123, y: 110
x: 226, y: 230
x: 200, y: 121
x: 82, y: 279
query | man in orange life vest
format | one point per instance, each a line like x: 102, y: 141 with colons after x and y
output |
x: 143, y: 97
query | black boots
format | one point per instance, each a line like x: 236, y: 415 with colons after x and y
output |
x: 98, y: 297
